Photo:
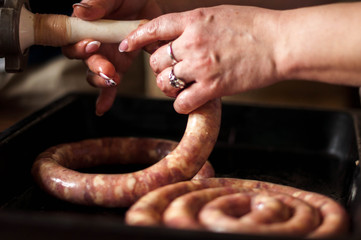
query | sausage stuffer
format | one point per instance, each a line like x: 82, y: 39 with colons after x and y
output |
x: 20, y: 29
x: 15, y: 59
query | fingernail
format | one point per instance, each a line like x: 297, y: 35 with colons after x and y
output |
x: 123, y: 46
x: 92, y: 47
x: 99, y: 114
x: 104, y: 76
x: 84, y: 5
x: 108, y: 81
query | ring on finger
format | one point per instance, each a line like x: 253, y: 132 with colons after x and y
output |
x: 174, y: 81
x: 171, y: 54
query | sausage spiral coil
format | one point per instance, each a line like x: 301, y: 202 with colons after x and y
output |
x: 242, y: 206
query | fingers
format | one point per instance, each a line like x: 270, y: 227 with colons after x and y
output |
x: 165, y: 27
x: 165, y: 56
x: 101, y: 72
x: 105, y: 100
x: 194, y: 95
x: 172, y: 74
x: 196, y: 91
x: 82, y: 49
x: 163, y: 83
x: 167, y: 62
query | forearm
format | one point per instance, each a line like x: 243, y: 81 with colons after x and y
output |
x: 320, y: 43
x: 184, y: 5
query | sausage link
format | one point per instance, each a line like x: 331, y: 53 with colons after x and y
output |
x: 183, y: 212
x: 207, y: 171
x: 54, y: 168
x: 262, y: 208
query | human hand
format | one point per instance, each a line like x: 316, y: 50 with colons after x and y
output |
x: 219, y: 51
x: 106, y: 64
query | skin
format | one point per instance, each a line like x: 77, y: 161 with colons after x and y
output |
x: 203, y: 25
x: 208, y: 67
x: 105, y: 59
x: 261, y: 48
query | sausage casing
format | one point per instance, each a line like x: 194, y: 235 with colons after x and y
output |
x: 54, y: 168
x: 209, y: 204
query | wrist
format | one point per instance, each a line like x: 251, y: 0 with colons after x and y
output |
x: 284, y: 48
x: 319, y: 44
x: 267, y: 24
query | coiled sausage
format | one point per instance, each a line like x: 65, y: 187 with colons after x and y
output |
x: 242, y: 206
x: 51, y: 168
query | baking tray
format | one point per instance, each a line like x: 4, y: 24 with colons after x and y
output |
x: 313, y: 149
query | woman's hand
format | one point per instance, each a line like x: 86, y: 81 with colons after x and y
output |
x: 219, y: 51
x: 106, y: 64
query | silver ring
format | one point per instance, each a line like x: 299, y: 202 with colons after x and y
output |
x: 174, y: 81
x: 171, y: 54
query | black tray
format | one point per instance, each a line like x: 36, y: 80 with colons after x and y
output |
x: 316, y: 150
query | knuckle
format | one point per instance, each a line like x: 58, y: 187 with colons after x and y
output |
x: 199, y: 39
x: 197, y: 14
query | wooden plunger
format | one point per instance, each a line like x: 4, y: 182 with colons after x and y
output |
x: 61, y: 30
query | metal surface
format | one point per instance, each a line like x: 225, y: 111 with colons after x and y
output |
x: 15, y: 59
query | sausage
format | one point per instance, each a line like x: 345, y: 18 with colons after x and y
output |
x: 54, y: 170
x: 270, y: 213
x: 262, y: 208
x: 207, y: 171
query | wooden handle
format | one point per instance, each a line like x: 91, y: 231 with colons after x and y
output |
x: 61, y: 30
x: 106, y: 31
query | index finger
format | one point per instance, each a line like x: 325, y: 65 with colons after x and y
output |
x: 164, y: 28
